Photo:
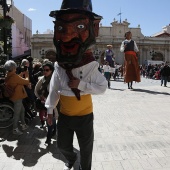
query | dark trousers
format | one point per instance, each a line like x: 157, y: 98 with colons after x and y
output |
x: 51, y: 129
x: 130, y: 84
x: 116, y: 74
x: 83, y: 127
x: 164, y: 79
x: 107, y: 76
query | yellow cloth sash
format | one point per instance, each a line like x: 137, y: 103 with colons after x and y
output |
x: 70, y: 106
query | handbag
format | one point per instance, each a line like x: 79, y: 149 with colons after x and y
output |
x: 8, y: 91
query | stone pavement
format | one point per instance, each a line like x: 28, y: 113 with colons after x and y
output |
x: 132, y: 132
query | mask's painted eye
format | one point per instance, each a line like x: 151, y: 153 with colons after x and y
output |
x: 60, y: 28
x: 80, y: 26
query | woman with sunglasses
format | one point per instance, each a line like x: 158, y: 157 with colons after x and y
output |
x: 41, y: 92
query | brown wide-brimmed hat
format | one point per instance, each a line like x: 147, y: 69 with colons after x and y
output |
x: 109, y: 45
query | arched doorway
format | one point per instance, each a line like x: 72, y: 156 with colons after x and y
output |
x: 51, y: 55
x: 157, y: 57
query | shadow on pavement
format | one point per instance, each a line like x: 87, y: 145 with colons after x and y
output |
x: 117, y: 80
x: 116, y: 89
x: 150, y: 92
x: 29, y: 147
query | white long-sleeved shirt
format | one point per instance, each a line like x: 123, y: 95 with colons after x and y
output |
x: 122, y: 48
x: 106, y: 68
x: 91, y: 82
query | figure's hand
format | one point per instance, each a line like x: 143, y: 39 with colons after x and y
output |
x: 50, y: 119
x: 42, y: 98
x: 138, y: 53
x: 74, y: 83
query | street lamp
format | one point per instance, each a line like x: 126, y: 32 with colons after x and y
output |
x: 153, y: 54
x: 42, y: 52
x: 6, y: 5
x: 9, y: 3
x: 96, y: 54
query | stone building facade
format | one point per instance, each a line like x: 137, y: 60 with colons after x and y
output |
x: 156, y: 47
x: 42, y: 46
x: 21, y: 31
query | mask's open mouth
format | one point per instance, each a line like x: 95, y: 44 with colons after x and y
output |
x: 71, y: 48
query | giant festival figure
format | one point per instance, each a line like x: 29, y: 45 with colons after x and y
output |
x: 75, y: 79
x: 131, y: 65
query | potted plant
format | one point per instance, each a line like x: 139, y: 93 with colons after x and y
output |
x: 6, y: 22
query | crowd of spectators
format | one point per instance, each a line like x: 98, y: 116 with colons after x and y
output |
x: 29, y: 73
x: 155, y: 71
x: 30, y: 81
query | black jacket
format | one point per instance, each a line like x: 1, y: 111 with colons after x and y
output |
x: 165, y: 71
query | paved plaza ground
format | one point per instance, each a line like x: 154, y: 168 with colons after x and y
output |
x: 132, y: 132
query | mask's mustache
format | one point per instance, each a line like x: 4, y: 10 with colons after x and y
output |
x: 72, y: 42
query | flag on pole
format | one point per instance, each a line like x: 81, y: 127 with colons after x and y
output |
x: 119, y: 14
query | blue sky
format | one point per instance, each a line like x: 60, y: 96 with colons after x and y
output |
x: 152, y: 15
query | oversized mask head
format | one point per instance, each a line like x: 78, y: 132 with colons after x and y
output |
x: 75, y: 31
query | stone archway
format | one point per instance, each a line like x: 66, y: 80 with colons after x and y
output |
x: 51, y: 55
x: 158, y: 57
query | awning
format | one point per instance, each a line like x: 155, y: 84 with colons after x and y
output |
x: 22, y: 56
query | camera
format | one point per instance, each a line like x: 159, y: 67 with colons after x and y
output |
x: 24, y: 68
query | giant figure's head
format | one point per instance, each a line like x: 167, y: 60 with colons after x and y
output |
x: 75, y: 30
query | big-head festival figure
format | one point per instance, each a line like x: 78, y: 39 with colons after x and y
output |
x: 75, y: 78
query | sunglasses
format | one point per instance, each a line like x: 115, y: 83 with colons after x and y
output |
x: 46, y: 70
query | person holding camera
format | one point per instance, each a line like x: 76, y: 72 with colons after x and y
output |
x: 17, y: 82
x: 25, y: 66
x: 29, y: 102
